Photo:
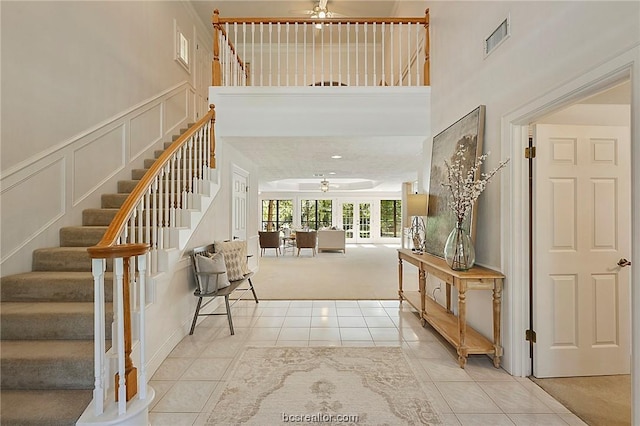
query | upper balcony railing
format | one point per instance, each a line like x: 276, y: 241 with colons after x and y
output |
x: 320, y: 52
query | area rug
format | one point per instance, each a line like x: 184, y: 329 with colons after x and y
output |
x: 322, y: 385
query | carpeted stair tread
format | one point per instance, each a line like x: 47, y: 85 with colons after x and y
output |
x: 50, y: 320
x: 112, y: 201
x: 52, y: 286
x: 126, y: 186
x: 63, y: 259
x: 46, y: 364
x: 54, y: 407
x: 138, y: 174
x: 81, y: 236
x: 98, y: 217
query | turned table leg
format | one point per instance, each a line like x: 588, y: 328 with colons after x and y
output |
x: 422, y: 286
x: 400, y: 278
x: 462, y: 323
x: 497, y: 314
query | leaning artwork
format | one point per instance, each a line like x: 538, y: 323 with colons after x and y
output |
x: 468, y: 132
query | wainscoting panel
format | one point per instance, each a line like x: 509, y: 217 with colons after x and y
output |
x: 176, y: 108
x: 91, y: 167
x: 43, y: 192
x: 144, y: 131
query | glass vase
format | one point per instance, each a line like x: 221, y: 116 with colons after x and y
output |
x: 458, y: 250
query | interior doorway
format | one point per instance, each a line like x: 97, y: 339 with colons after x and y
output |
x: 356, y: 221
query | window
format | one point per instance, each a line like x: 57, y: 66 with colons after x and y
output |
x: 277, y: 214
x: 315, y: 213
x: 181, y: 47
x: 390, y: 218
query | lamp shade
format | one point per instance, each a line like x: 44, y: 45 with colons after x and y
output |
x: 417, y: 204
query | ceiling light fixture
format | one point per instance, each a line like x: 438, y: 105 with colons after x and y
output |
x: 324, y: 185
x: 336, y: 156
x: 319, y: 12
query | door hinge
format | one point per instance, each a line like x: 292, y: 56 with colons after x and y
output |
x: 530, y: 336
x: 530, y: 152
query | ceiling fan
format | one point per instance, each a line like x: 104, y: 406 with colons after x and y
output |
x: 320, y: 11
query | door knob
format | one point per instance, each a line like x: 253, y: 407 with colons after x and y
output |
x: 623, y: 262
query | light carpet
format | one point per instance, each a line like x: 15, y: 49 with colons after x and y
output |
x: 273, y: 384
x: 364, y: 272
x: 598, y: 400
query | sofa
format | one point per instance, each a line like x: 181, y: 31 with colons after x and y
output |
x: 331, y: 239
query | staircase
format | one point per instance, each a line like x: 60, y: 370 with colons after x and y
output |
x: 46, y: 323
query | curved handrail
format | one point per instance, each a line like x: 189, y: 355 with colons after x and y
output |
x: 108, y: 245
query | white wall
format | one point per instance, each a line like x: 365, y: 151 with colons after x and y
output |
x: 551, y: 43
x: 89, y: 89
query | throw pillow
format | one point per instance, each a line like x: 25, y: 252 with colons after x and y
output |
x: 209, y: 263
x: 235, y: 257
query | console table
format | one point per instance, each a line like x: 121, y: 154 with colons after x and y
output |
x: 454, y: 328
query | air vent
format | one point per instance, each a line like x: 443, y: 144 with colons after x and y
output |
x: 496, y: 38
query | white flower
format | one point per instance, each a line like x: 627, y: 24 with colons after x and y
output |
x: 463, y: 185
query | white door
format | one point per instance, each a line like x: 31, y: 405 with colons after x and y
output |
x: 203, y: 78
x: 582, y: 225
x: 239, y: 206
x: 356, y: 221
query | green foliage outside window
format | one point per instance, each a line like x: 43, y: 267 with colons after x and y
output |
x: 315, y: 214
x: 390, y: 218
x: 277, y: 214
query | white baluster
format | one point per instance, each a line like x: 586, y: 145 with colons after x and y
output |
x: 391, y: 62
x: 400, y: 54
x: 384, y: 36
x: 295, y: 36
x: 304, y: 65
x: 142, y: 288
x: 340, y: 52
x: 322, y: 78
x: 98, y: 266
x: 348, y: 54
x: 330, y: 51
x: 118, y: 271
x: 408, y: 54
x: 366, y: 62
x: 261, y: 53
x: 313, y: 58
x: 374, y: 82
x: 279, y: 56
x: 357, y: 58
x: 270, y: 54
x: 288, y: 49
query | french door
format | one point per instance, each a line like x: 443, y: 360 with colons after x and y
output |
x: 356, y: 221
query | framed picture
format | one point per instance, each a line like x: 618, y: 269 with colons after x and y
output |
x: 468, y: 132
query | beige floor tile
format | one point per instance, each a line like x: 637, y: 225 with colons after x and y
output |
x: 297, y: 322
x: 324, y: 311
x: 481, y: 368
x: 484, y: 420
x: 207, y: 369
x: 187, y: 396
x: 347, y: 304
x: 445, y: 370
x: 449, y: 420
x: 512, y: 397
x: 301, y: 333
x: 571, y: 419
x: 301, y: 304
x: 325, y: 343
x: 369, y: 303
x: 358, y: 343
x: 349, y: 312
x: 379, y: 322
x: 296, y: 343
x: 172, y: 419
x: 385, y: 334
x: 172, y: 368
x: 161, y: 387
x: 325, y: 333
x: 374, y: 312
x: 269, y: 322
x: 324, y: 321
x: 352, y: 322
x: 299, y: 312
x: 466, y: 397
x: 351, y: 333
x: 537, y: 420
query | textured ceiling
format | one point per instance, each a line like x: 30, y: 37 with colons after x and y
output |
x: 299, y: 164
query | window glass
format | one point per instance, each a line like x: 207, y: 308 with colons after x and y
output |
x: 390, y: 218
x: 315, y: 214
x: 277, y: 214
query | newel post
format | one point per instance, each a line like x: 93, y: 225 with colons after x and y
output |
x: 216, y: 69
x: 130, y: 372
x: 212, y: 138
x: 427, y: 76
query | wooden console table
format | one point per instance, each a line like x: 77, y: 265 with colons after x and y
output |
x: 464, y: 338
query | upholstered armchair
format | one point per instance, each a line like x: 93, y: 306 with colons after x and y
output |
x: 306, y: 239
x: 269, y: 239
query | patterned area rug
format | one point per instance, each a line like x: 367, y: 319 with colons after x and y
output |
x: 323, y: 385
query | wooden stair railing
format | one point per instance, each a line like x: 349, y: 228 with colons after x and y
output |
x: 387, y: 51
x: 132, y: 241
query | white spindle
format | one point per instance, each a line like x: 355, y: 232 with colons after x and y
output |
x: 400, y: 54
x: 357, y: 58
x: 288, y: 48
x: 261, y: 53
x: 340, y: 52
x: 118, y: 271
x: 279, y: 55
x: 392, y: 64
x: 313, y: 58
x: 304, y: 50
x: 141, y: 223
x: 320, y: 32
x: 348, y: 54
x: 295, y: 32
x: 384, y: 36
x: 374, y: 82
x: 270, y: 54
x: 366, y: 62
x: 330, y: 52
x: 98, y: 266
x: 418, y: 55
x: 142, y: 275
x: 409, y: 54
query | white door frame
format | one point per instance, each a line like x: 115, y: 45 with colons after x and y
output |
x: 515, y: 208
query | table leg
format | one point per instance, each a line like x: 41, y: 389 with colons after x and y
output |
x: 422, y: 285
x: 497, y: 314
x: 462, y: 323
x: 448, y: 297
x: 400, y: 278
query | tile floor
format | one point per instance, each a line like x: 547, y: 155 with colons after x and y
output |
x: 188, y: 377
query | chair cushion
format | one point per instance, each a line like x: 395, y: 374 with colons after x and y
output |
x: 235, y: 257
x: 212, y: 262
